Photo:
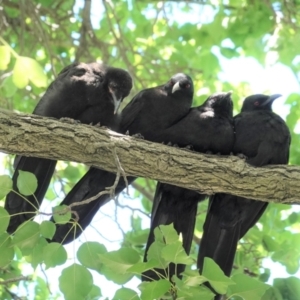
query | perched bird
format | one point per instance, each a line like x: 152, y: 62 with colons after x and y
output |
x: 263, y: 137
x: 149, y: 113
x: 89, y: 93
x: 208, y: 128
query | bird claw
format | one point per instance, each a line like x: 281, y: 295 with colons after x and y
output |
x: 242, y: 156
x: 127, y: 132
x: 189, y: 147
x: 208, y: 152
x: 138, y: 136
x: 169, y: 144
x: 98, y: 124
x: 175, y: 145
x: 69, y: 120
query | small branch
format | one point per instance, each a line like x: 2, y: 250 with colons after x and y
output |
x: 15, y: 279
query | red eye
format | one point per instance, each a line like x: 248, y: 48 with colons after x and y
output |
x: 256, y: 103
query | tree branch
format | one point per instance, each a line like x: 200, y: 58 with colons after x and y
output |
x: 31, y: 135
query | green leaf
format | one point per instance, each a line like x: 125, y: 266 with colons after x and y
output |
x: 26, y: 183
x: 7, y: 252
x: 75, y: 282
x: 94, y: 294
x: 61, y: 218
x: 176, y: 254
x: 272, y: 293
x: 88, y: 252
x: 37, y: 255
x: 5, y: 185
x: 270, y: 244
x: 115, y: 277
x: 141, y: 267
x: 4, y: 57
x: 26, y: 237
x: 54, y: 255
x: 215, y: 276
x: 26, y: 69
x: 170, y: 234
x: 125, y: 294
x: 4, y: 219
x: 192, y: 278
x: 247, y: 287
x: 289, y: 287
x: 155, y: 253
x: 121, y: 260
x: 9, y: 87
x: 155, y: 289
x: 47, y: 229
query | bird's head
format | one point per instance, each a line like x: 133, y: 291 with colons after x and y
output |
x: 259, y: 102
x: 180, y: 85
x: 118, y: 83
x: 221, y: 103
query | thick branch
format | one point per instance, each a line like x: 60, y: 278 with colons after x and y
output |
x: 43, y: 137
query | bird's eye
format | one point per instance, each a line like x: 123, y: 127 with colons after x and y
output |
x: 172, y: 82
x: 80, y: 72
x: 256, y: 103
x: 187, y: 85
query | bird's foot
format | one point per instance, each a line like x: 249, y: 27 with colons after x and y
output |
x: 69, y: 120
x: 189, y: 147
x: 208, y: 152
x: 242, y: 156
x: 127, y: 132
x: 138, y: 136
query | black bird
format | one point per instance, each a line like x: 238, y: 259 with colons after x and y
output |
x: 89, y: 93
x: 263, y: 137
x: 149, y: 113
x: 208, y: 128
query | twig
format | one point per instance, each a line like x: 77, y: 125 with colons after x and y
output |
x: 15, y: 279
x: 46, y: 277
x: 143, y: 191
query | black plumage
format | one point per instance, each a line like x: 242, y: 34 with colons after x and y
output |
x: 208, y: 127
x: 149, y: 113
x: 263, y: 137
x: 89, y: 93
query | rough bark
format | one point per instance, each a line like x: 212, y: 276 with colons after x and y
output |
x: 49, y: 138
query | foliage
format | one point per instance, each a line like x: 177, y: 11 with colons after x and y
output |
x: 153, y: 40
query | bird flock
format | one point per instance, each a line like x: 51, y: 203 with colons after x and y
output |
x: 92, y: 93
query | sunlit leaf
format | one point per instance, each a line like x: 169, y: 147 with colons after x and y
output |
x: 88, y: 252
x: 61, y: 214
x: 155, y: 289
x: 176, y: 254
x: 26, y: 183
x: 76, y: 282
x: 215, y: 276
x: 4, y: 57
x: 247, y: 287
x: 26, y: 69
x: 47, y: 229
x: 54, y: 255
x: 4, y: 219
x: 27, y: 236
x: 7, y: 252
x: 125, y: 294
x: 5, y: 185
x: 120, y: 260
